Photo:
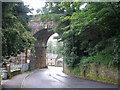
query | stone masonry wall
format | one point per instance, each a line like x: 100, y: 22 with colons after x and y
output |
x: 100, y: 72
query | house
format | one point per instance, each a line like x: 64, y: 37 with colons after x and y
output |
x: 24, y: 57
x: 51, y: 59
x: 59, y: 62
x: 54, y: 60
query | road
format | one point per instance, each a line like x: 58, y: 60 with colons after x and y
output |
x: 53, y: 77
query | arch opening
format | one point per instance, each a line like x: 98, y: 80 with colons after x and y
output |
x: 53, y: 53
x: 42, y: 34
x: 39, y: 61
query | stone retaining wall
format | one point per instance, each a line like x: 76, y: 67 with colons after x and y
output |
x: 96, y: 72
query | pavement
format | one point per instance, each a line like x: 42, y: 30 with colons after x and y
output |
x: 53, y: 77
x: 15, y: 82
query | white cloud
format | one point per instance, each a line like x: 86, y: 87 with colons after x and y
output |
x: 35, y: 4
x: 83, y: 6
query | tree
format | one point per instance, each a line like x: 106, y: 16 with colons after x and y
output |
x: 16, y: 36
x: 59, y: 48
x: 55, y: 47
x: 50, y: 47
x: 89, y: 32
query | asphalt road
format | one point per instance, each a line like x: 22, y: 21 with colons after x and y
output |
x: 53, y: 77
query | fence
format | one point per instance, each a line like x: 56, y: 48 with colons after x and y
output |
x: 24, y: 67
x: 17, y: 67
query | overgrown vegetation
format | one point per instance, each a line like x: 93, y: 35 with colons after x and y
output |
x: 90, y: 34
x: 55, y: 47
x: 90, y: 31
x: 16, y: 36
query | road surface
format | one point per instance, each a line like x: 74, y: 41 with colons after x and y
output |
x: 53, y: 77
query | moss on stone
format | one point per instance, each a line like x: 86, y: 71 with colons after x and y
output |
x: 104, y: 74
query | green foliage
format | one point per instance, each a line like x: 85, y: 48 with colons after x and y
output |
x: 116, y: 52
x: 51, y: 47
x: 55, y: 47
x: 16, y: 36
x: 105, y: 54
x: 50, y: 17
x: 90, y: 34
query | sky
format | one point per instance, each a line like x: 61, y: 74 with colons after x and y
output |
x: 38, y: 4
x: 35, y: 4
x: 52, y: 38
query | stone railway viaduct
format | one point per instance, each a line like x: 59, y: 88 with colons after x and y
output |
x: 41, y: 31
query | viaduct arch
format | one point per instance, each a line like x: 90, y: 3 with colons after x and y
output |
x: 41, y: 31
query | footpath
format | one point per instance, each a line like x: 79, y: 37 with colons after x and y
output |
x: 16, y: 81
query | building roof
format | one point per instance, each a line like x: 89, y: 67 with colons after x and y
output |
x: 60, y: 59
x: 51, y: 56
